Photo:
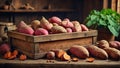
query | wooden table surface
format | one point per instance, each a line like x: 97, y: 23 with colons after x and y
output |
x: 42, y: 63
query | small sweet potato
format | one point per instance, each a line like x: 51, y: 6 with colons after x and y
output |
x: 35, y: 24
x: 77, y: 27
x: 58, y: 29
x: 84, y: 28
x: 113, y: 53
x: 79, y: 51
x: 55, y: 19
x: 41, y: 31
x: 50, y: 55
x: 103, y: 44
x: 97, y: 52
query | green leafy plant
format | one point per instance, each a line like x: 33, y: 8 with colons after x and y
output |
x: 106, y: 18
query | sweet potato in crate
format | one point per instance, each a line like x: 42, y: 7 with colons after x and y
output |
x: 37, y: 46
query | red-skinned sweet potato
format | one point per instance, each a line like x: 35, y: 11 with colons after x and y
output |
x: 115, y: 44
x: 84, y: 28
x: 55, y: 19
x: 103, y: 44
x: 97, y: 52
x: 41, y: 31
x: 4, y: 48
x: 79, y: 51
x: 69, y: 30
x: 113, y: 53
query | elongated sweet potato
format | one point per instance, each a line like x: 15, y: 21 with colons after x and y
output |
x: 41, y: 31
x: 55, y: 19
x: 79, y: 51
x: 97, y: 52
x: 58, y: 29
x: 45, y: 23
x: 113, y: 53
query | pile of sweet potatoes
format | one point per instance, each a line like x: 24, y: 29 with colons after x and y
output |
x: 52, y: 25
x: 101, y: 50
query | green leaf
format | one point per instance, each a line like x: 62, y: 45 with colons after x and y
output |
x: 102, y: 22
x: 113, y: 31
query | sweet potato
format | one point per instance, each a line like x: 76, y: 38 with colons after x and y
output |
x: 23, y: 57
x: 55, y: 24
x: 45, y: 24
x: 115, y: 44
x: 15, y: 52
x: 41, y: 31
x: 84, y: 28
x: 103, y: 44
x: 58, y: 53
x: 55, y: 19
x: 35, y: 24
x: 58, y: 29
x: 50, y: 55
x: 77, y: 27
x: 67, y: 24
x: 65, y: 57
x: 113, y: 53
x: 21, y: 24
x: 97, y: 52
x: 69, y: 30
x: 4, y: 48
x: 7, y: 55
x: 79, y: 51
x: 26, y: 30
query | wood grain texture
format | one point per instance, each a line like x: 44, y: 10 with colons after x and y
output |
x: 37, y: 46
x: 42, y: 63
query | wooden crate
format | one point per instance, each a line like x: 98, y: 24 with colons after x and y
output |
x: 36, y: 46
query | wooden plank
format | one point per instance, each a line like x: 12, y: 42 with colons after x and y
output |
x: 105, y: 4
x: 42, y: 63
x: 114, y: 5
x: 118, y: 6
x: 6, y: 23
x: 51, y: 37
